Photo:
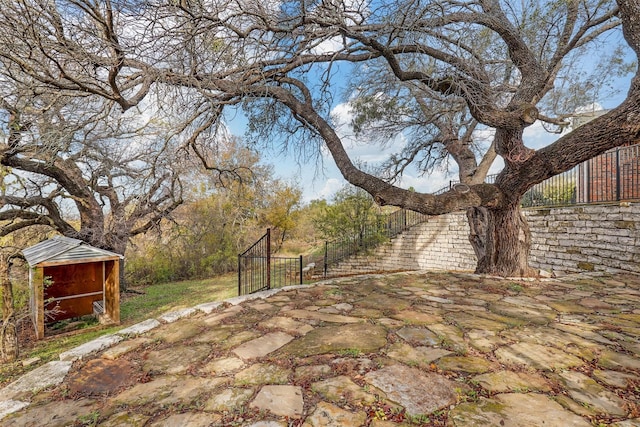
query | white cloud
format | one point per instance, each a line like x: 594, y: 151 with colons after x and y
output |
x: 331, y: 187
x: 342, y: 115
x: 332, y: 45
x: 484, y: 134
x: 593, y: 108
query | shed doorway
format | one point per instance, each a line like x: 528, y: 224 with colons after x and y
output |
x: 69, y: 278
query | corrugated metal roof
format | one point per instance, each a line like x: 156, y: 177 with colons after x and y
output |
x: 60, y: 249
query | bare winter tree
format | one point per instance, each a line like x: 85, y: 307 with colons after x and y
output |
x: 82, y: 172
x: 278, y: 60
x: 437, y: 128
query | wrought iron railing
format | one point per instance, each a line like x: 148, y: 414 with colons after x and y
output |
x: 259, y: 270
x: 401, y: 220
x: 489, y: 179
x: 611, y: 177
x: 559, y: 190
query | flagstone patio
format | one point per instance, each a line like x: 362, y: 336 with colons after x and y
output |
x: 423, y: 348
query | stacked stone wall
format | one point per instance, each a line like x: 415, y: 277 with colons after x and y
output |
x: 586, y: 238
x: 564, y: 240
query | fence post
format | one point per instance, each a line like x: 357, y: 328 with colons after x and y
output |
x: 301, y: 269
x: 617, y: 174
x: 326, y: 257
x: 239, y: 274
x: 268, y: 258
x: 588, y: 175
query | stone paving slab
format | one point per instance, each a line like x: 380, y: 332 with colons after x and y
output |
x: 125, y: 347
x: 208, y: 307
x: 328, y: 415
x: 173, y: 316
x: 91, y: 347
x: 406, y: 387
x: 262, y: 346
x: 10, y: 406
x: 140, y: 328
x: 536, y: 356
x: 343, y: 389
x: 45, y: 376
x: 283, y: 400
x: 515, y: 410
x: 587, y: 391
x: 409, y: 349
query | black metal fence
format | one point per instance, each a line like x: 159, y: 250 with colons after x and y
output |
x: 611, y: 177
x: 401, y: 220
x: 558, y: 190
x: 258, y: 270
x: 489, y: 179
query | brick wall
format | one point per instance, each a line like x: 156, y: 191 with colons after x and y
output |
x: 564, y: 240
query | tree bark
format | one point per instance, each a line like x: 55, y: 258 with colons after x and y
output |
x: 8, y: 333
x: 501, y: 240
x: 478, y: 222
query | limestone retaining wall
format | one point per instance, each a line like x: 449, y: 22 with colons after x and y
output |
x: 564, y: 240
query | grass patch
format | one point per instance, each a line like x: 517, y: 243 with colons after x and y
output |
x: 161, y: 298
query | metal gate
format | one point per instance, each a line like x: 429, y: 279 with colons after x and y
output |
x: 259, y: 271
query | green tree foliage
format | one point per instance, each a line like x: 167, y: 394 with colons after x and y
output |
x: 282, y: 211
x: 199, y: 243
x: 351, y: 214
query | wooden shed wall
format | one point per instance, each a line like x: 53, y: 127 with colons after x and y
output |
x: 69, y: 280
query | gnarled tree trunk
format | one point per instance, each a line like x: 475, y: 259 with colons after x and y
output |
x: 8, y: 332
x: 501, y: 240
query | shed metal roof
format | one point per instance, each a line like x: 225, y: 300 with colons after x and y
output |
x: 62, y: 250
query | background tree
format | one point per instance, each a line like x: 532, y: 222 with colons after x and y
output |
x: 279, y: 61
x: 216, y: 222
x: 281, y: 211
x: 84, y: 174
x: 11, y: 315
x: 75, y: 164
x: 438, y: 129
x: 351, y: 212
x: 305, y: 238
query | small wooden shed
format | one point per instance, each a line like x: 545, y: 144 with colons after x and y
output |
x: 69, y: 278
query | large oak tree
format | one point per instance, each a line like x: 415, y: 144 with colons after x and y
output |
x: 82, y: 173
x: 278, y: 60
